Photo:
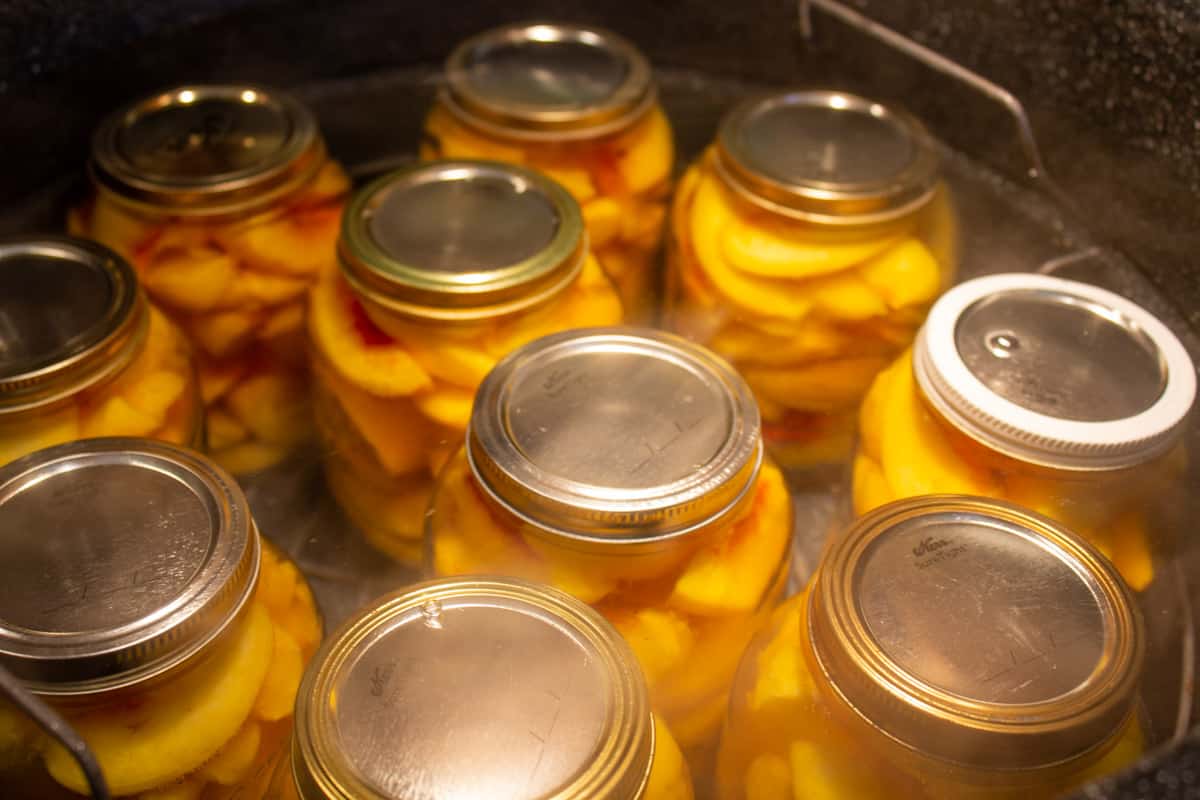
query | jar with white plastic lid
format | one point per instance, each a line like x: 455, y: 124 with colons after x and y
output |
x: 83, y: 354
x: 947, y: 646
x: 625, y: 466
x: 141, y: 604
x: 478, y: 687
x: 579, y: 104
x: 807, y: 244
x: 1054, y: 394
x: 445, y: 268
x: 226, y: 202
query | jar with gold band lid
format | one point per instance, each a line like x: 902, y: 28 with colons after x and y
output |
x: 141, y: 603
x: 807, y: 244
x: 576, y: 103
x: 445, y: 268
x: 947, y: 646
x: 478, y: 687
x: 226, y: 202
x: 625, y: 466
x: 1057, y: 395
x: 83, y: 354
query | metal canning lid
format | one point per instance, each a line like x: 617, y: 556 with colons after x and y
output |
x: 206, y: 150
x: 977, y: 632
x: 461, y: 240
x: 615, y: 434
x: 548, y: 81
x: 827, y: 157
x: 71, y: 315
x: 1055, y: 372
x: 473, y: 687
x: 119, y: 560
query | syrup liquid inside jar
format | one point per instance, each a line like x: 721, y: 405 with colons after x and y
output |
x: 947, y: 646
x: 479, y: 687
x: 226, y: 203
x: 139, y: 601
x: 807, y: 244
x: 625, y: 467
x: 83, y: 354
x: 578, y: 104
x: 1056, y: 395
x: 445, y: 268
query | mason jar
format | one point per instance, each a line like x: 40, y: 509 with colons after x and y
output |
x: 445, y: 268
x: 807, y: 244
x: 947, y: 646
x: 480, y: 687
x: 83, y: 354
x: 227, y: 204
x: 625, y: 467
x: 579, y: 104
x: 141, y: 604
x: 1056, y: 395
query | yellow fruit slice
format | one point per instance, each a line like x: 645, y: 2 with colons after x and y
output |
x: 783, y: 678
x: 117, y: 228
x: 50, y: 428
x: 302, y: 622
x: 872, y: 412
x: 393, y: 428
x: 116, y: 417
x: 155, y: 393
x: 297, y: 244
x: 810, y: 341
x: 249, y: 456
x: 602, y: 215
x: 447, y: 405
x: 192, y: 280
x: 820, y: 386
x: 770, y: 252
x: 453, y: 140
x: 661, y: 639
x: 451, y: 361
x: 283, y: 321
x: 329, y: 183
x: 642, y: 224
x: 277, y: 581
x: 575, y: 180
x: 274, y: 406
x: 669, y: 777
x: 182, y: 725
x: 221, y: 333
x: 904, y: 275
x: 278, y: 693
x: 1131, y: 553
x: 233, y: 761
x: 187, y: 789
x: 253, y: 288
x: 871, y: 488
x: 769, y: 777
x: 646, y: 156
x: 844, y: 297
x: 218, y: 377
x: 223, y: 429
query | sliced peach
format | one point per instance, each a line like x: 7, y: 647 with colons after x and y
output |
x: 774, y: 251
x: 449, y: 360
x: 646, y: 154
x: 118, y: 228
x: 818, y: 386
x: 302, y: 622
x: 844, y: 297
x: 904, y: 275
x: 191, y: 280
x: 287, y: 320
x: 218, y: 377
x: 602, y: 215
x: 355, y: 348
x: 661, y: 639
x: 278, y: 692
x: 574, y: 573
x: 455, y: 140
x: 482, y: 543
x: 871, y: 488
x: 274, y: 406
x: 446, y: 405
x: 1131, y: 550
x: 301, y: 243
x: 669, y: 777
x: 51, y: 428
x: 642, y: 224
x: 155, y: 393
x: 249, y: 456
x: 277, y: 580
x: 810, y: 341
x: 769, y: 777
x: 329, y: 183
x: 222, y: 333
x: 392, y: 427
x: 232, y: 762
x: 253, y: 288
x: 223, y: 429
x: 575, y: 180
x: 115, y: 416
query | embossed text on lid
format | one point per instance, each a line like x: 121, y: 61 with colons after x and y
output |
x: 473, y: 688
x: 118, y: 559
x: 615, y: 432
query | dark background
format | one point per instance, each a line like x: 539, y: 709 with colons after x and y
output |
x: 1111, y: 88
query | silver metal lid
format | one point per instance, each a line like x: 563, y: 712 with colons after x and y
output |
x: 609, y: 434
x: 827, y: 157
x: 207, y: 149
x: 548, y: 81
x: 978, y: 632
x: 473, y: 687
x: 119, y: 559
x: 1055, y: 372
x: 71, y: 315
x: 461, y: 240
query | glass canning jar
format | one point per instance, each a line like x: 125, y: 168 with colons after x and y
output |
x: 947, y: 646
x: 140, y: 602
x: 578, y: 104
x: 480, y: 687
x: 445, y: 268
x: 226, y: 203
x: 807, y: 244
x: 83, y: 354
x: 626, y: 468
x: 1056, y: 395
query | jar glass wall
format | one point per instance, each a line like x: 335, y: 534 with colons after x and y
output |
x: 225, y: 201
x: 445, y: 268
x: 810, y: 266
x: 577, y: 104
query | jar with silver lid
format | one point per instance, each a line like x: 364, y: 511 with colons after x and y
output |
x: 807, y: 244
x: 445, y: 268
x: 625, y: 467
x: 83, y: 354
x: 227, y: 204
x: 137, y: 598
x: 947, y: 646
x: 478, y: 687
x: 579, y: 104
x: 1056, y: 395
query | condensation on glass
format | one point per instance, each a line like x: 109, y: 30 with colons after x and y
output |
x: 807, y: 244
x: 1053, y: 394
x: 478, y: 687
x: 137, y: 599
x: 445, y: 268
x: 578, y: 104
x: 947, y: 646
x: 625, y: 466
x: 226, y: 203
x: 83, y: 354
